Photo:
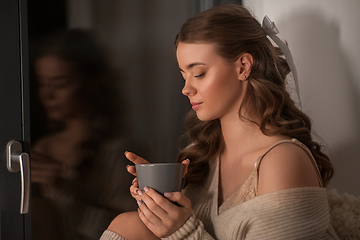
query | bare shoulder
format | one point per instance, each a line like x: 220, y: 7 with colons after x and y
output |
x: 286, y: 166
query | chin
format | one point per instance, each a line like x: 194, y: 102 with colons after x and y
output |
x: 204, y: 118
x: 56, y: 116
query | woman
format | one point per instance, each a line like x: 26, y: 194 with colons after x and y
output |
x: 78, y: 180
x: 254, y: 172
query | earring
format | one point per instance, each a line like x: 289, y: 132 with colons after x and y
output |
x: 244, y: 76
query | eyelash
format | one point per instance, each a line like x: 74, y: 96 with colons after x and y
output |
x: 200, y: 75
x: 196, y: 76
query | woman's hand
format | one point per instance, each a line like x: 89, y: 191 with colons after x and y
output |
x: 136, y: 160
x: 134, y: 188
x: 160, y: 215
x: 131, y: 169
x: 44, y: 170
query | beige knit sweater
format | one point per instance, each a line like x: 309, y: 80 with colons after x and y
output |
x: 301, y: 213
x: 288, y: 214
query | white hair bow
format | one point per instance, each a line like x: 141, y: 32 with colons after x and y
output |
x: 271, y: 30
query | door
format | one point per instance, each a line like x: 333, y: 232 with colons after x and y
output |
x: 14, y: 109
x: 14, y: 88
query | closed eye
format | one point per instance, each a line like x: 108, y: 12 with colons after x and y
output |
x: 200, y: 75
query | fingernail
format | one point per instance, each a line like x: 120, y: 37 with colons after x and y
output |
x: 125, y: 152
x: 139, y: 203
x: 139, y: 192
x: 168, y: 194
x: 135, y: 180
x: 146, y: 189
x: 139, y: 210
x: 127, y: 166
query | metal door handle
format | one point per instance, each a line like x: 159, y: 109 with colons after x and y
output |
x: 19, y: 161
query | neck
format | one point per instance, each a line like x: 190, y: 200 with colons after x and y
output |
x: 240, y: 137
x: 76, y: 128
x: 74, y: 122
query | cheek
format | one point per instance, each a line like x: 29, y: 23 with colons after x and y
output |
x: 222, y: 85
x: 42, y: 93
x: 65, y: 96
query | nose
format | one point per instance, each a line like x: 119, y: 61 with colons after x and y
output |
x: 188, y: 89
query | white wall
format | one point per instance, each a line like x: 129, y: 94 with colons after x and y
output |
x: 324, y: 39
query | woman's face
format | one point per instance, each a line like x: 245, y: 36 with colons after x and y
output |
x: 58, y: 85
x: 211, y: 83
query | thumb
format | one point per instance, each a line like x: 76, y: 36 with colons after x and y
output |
x: 186, y: 163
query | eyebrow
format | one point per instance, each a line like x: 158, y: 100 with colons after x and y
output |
x: 56, y: 78
x: 192, y: 65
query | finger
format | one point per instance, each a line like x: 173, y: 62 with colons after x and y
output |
x: 46, y: 170
x: 134, y: 192
x: 145, y: 220
x: 41, y: 158
x: 135, y: 158
x: 186, y: 163
x: 147, y: 212
x: 42, y: 177
x: 42, y: 173
x: 131, y: 169
x: 135, y: 182
x: 155, y: 202
x: 179, y: 198
x: 49, y: 167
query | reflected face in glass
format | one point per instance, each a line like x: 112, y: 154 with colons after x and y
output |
x: 58, y: 85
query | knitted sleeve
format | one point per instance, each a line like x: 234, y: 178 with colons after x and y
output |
x: 192, y: 229
x: 110, y: 235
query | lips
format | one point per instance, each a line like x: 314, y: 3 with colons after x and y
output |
x: 195, y: 105
x: 52, y: 108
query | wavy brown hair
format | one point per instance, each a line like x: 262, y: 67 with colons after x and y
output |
x: 98, y: 93
x: 234, y: 31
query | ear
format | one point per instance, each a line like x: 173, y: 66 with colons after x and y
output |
x: 244, y: 63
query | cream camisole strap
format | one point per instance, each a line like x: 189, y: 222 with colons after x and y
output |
x: 249, y: 189
x: 300, y: 144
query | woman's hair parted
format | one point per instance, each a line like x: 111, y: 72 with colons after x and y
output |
x: 234, y: 31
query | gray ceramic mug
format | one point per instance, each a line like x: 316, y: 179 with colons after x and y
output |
x: 163, y: 177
